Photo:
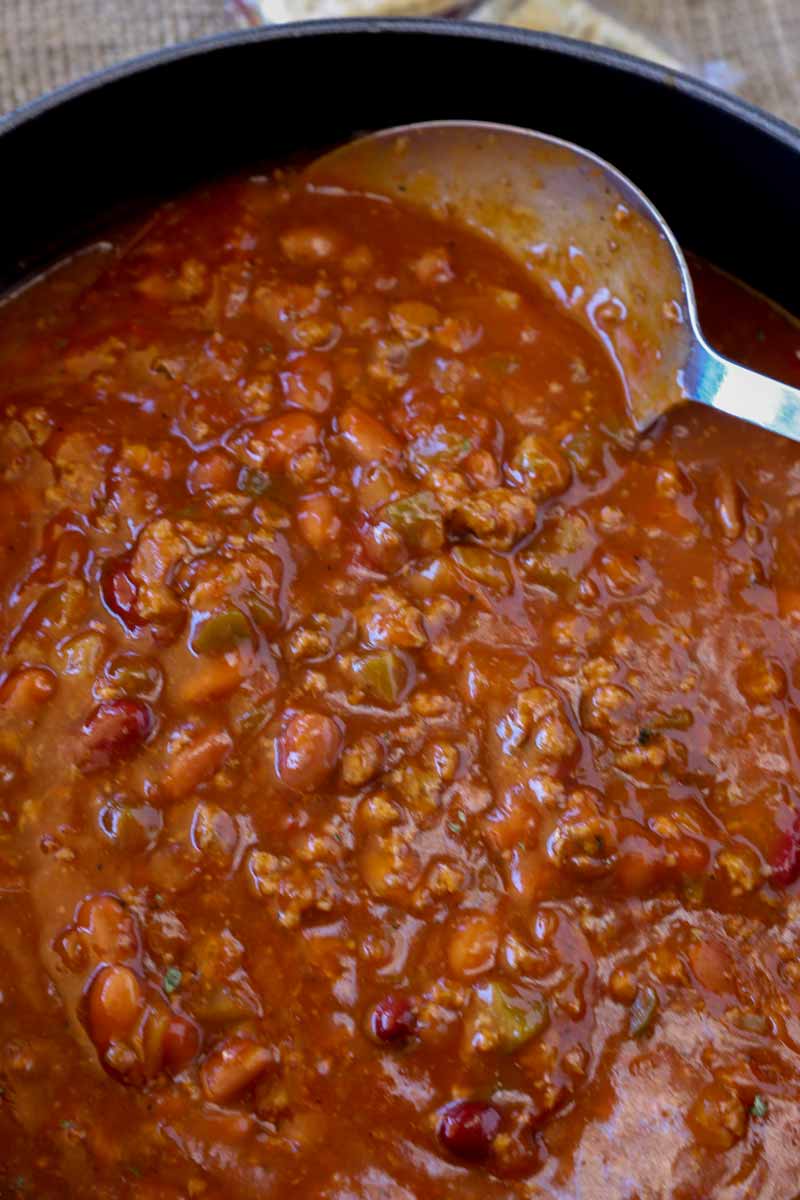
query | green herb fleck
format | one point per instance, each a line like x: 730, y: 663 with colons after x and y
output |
x: 643, y: 1011
x: 172, y: 980
x: 502, y: 364
x: 694, y: 891
x: 261, y: 485
x: 645, y: 736
x: 677, y: 718
x: 759, y: 1108
x: 253, y: 482
x: 133, y: 1170
x: 67, y: 1124
x: 761, y: 335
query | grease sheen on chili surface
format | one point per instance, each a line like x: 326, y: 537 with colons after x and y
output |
x: 398, y: 758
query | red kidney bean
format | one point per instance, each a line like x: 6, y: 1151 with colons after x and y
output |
x: 181, y: 1043
x: 786, y: 863
x: 308, y: 750
x: 467, y: 1128
x: 120, y: 594
x: 393, y: 1019
x: 114, y: 730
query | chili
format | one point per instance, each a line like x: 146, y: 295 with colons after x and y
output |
x: 398, y: 756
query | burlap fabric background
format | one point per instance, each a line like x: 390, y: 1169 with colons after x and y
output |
x: 751, y: 46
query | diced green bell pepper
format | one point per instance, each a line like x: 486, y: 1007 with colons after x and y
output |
x: 222, y: 632
x: 515, y: 1021
x: 418, y: 520
x: 382, y: 676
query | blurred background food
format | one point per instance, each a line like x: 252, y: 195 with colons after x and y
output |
x: 751, y: 47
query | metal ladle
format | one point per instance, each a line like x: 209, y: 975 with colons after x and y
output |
x: 585, y: 234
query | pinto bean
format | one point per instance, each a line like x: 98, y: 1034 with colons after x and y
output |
x: 233, y: 1067
x: 318, y: 521
x: 198, y: 760
x: 473, y: 946
x: 367, y: 438
x: 27, y: 689
x: 308, y: 750
x: 115, y: 999
x: 308, y: 384
x: 283, y: 437
x: 107, y: 929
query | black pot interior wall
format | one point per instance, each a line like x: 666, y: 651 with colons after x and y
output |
x: 728, y: 185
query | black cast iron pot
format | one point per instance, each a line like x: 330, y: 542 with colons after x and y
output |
x: 726, y: 175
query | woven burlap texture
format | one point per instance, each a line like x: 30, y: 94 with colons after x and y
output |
x: 750, y: 46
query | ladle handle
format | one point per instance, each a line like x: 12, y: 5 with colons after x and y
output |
x: 730, y: 388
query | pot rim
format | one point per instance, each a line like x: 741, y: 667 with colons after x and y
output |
x: 696, y: 89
